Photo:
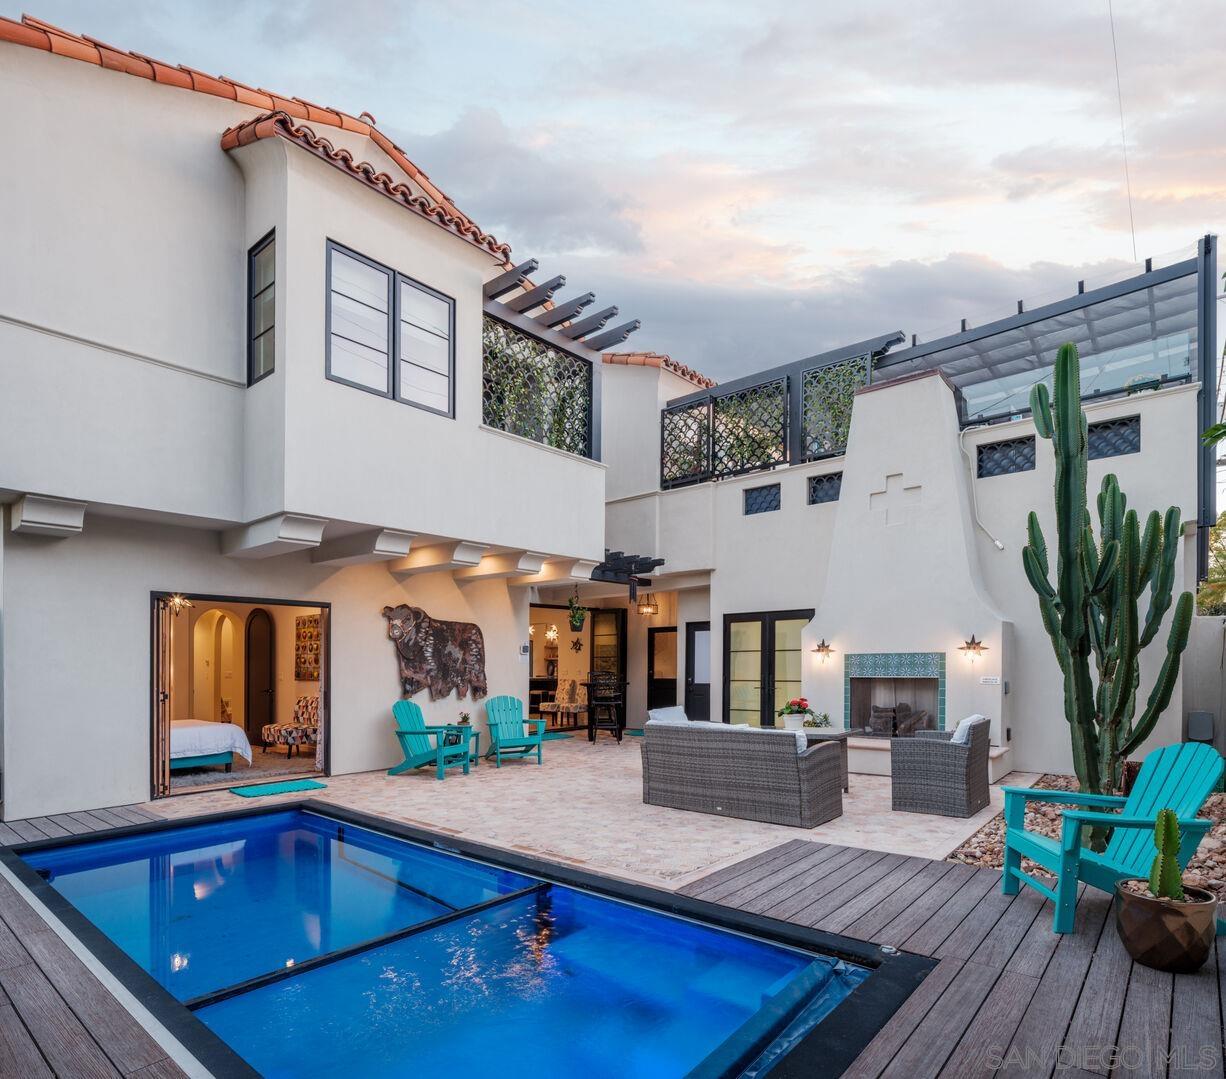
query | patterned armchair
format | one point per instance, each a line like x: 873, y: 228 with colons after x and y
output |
x: 568, y: 704
x: 302, y: 730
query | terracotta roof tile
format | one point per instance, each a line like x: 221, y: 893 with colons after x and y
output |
x: 278, y: 124
x: 665, y: 363
x: 36, y: 34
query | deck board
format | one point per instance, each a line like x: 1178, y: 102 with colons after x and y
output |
x: 1008, y: 996
x: 56, y: 1018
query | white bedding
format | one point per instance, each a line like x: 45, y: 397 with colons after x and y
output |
x: 199, y: 738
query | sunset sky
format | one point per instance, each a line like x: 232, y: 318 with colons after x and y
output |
x: 758, y: 182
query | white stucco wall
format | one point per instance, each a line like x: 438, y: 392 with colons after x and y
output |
x: 76, y: 652
x: 884, y: 589
x: 123, y: 328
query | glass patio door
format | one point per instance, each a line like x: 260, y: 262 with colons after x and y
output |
x: 762, y: 664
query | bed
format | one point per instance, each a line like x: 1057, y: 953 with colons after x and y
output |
x: 198, y: 743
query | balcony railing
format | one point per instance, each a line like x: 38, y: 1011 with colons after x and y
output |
x: 535, y: 390
x: 785, y: 416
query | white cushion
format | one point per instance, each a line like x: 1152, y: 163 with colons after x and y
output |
x: 673, y: 714
x: 963, y: 734
x: 802, y: 743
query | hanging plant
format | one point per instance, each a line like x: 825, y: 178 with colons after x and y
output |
x: 578, y: 612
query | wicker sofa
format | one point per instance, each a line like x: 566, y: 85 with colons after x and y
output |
x: 931, y: 774
x: 741, y: 772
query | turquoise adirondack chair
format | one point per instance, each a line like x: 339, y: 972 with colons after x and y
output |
x: 422, y: 745
x: 1178, y: 777
x: 510, y: 734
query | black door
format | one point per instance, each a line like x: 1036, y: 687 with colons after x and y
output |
x: 661, y: 666
x: 698, y: 670
x: 762, y: 664
x: 261, y: 674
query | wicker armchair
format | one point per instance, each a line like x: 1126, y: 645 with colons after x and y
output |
x: 930, y: 774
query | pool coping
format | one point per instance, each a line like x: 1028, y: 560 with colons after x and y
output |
x: 829, y: 1048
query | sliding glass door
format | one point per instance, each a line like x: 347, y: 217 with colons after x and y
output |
x: 762, y: 663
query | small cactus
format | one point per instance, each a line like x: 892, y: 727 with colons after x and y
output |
x: 1165, y: 879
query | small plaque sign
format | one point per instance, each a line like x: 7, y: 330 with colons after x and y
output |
x: 990, y: 680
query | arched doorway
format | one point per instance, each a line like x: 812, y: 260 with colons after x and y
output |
x: 216, y: 667
x: 261, y: 680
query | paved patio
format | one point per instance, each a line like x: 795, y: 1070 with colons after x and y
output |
x: 584, y: 806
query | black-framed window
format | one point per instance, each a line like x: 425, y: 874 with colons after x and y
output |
x: 762, y: 499
x: 1006, y: 457
x: 388, y: 334
x: 825, y: 488
x: 1114, y: 438
x: 261, y: 309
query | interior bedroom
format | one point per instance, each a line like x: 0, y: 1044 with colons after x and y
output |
x: 244, y: 692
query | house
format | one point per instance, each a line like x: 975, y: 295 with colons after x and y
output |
x: 263, y: 383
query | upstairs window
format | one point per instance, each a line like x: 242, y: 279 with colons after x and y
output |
x: 425, y: 352
x: 762, y: 499
x: 376, y: 314
x: 1114, y: 438
x: 261, y: 309
x: 1005, y: 457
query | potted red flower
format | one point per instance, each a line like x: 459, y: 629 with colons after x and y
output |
x: 797, y: 714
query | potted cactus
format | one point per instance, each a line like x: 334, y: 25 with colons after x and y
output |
x: 1164, y: 923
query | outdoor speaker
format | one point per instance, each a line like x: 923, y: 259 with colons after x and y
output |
x: 1200, y: 727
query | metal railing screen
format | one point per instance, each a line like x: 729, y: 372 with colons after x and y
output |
x: 534, y: 390
x: 827, y: 394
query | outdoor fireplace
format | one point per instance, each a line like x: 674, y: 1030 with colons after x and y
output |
x: 882, y: 707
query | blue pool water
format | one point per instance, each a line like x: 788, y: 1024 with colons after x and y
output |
x: 547, y: 981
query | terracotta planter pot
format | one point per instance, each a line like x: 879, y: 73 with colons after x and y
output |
x: 1173, y: 937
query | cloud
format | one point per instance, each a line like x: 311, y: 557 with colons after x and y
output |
x: 519, y: 184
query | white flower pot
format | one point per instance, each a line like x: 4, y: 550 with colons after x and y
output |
x: 793, y: 723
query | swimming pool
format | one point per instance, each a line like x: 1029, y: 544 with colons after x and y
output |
x: 314, y: 941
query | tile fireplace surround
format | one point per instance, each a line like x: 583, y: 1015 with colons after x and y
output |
x: 894, y: 665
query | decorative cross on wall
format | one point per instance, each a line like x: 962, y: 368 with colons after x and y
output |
x: 895, y: 499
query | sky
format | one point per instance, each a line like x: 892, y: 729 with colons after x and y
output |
x: 758, y: 182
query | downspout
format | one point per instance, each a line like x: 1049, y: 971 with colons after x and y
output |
x: 974, y: 495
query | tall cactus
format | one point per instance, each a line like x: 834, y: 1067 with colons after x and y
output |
x: 1091, y: 611
x: 1165, y: 878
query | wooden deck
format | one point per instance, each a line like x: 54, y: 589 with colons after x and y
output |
x: 56, y: 1018
x: 1008, y: 996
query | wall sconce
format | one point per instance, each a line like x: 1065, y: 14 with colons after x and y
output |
x: 647, y: 605
x: 823, y: 651
x: 532, y: 630
x: 178, y: 604
x: 551, y: 634
x: 973, y: 649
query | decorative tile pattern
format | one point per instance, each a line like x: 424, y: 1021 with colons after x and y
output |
x: 1003, y: 458
x: 894, y: 665
x: 825, y: 488
x: 1114, y: 438
x: 762, y: 499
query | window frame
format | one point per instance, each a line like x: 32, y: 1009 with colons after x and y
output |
x: 253, y: 252
x: 745, y: 499
x: 395, y: 279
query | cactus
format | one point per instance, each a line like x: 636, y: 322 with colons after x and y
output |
x: 1091, y: 611
x: 1165, y: 879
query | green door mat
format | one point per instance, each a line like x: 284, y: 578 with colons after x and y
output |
x: 288, y: 786
x: 554, y: 736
